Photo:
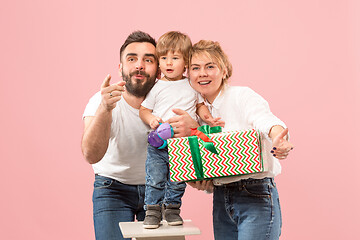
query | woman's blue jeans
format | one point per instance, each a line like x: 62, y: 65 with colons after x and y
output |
x: 158, y: 187
x: 247, y: 210
x: 115, y: 202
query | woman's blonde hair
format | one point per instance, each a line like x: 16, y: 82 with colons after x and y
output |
x: 174, y: 41
x: 213, y: 51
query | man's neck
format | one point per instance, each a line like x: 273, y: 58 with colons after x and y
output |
x: 133, y: 101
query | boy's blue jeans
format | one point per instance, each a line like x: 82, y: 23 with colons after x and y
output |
x: 115, y: 202
x: 158, y: 187
x: 247, y: 210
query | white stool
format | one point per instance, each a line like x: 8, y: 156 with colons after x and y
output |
x: 164, y: 232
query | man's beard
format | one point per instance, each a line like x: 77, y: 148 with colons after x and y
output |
x: 138, y: 89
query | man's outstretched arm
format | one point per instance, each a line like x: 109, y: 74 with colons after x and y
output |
x: 97, y: 128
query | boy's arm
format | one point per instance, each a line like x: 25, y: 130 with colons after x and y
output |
x: 203, y: 112
x: 148, y: 118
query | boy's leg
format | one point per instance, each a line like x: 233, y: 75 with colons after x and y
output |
x: 114, y: 202
x: 174, y: 190
x: 156, y: 176
x: 172, y: 201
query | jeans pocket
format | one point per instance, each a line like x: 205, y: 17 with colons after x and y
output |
x: 258, y: 190
x: 102, y: 182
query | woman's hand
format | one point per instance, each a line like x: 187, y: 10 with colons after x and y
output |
x: 205, y: 185
x: 281, y: 146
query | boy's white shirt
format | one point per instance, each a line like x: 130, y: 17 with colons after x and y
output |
x: 167, y: 95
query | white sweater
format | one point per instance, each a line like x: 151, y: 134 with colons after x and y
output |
x: 241, y: 109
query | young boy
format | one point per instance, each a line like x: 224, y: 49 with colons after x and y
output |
x: 173, y: 90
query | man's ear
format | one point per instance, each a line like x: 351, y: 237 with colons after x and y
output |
x: 120, y: 69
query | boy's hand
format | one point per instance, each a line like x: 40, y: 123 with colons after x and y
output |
x: 155, y: 122
x: 213, y: 122
x: 111, y: 94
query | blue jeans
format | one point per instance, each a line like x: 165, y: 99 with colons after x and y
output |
x: 158, y: 187
x: 115, y: 202
x: 247, y: 210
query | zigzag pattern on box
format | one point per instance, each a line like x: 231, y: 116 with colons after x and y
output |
x: 240, y: 149
x: 181, y: 164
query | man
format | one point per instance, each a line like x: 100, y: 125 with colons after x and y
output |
x: 115, y: 138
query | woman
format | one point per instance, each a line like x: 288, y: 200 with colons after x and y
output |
x: 247, y: 206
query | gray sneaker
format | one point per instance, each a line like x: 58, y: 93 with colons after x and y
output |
x: 152, y: 217
x: 172, y: 214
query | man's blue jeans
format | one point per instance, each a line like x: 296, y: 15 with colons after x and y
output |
x: 159, y: 189
x: 115, y: 202
x: 247, y: 210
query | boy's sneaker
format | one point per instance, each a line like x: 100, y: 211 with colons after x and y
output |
x: 152, y: 217
x: 172, y: 214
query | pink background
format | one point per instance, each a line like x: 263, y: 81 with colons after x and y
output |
x: 302, y: 56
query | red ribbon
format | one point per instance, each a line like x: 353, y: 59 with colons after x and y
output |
x: 201, y: 135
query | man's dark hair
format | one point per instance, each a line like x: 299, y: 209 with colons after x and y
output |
x: 137, y: 36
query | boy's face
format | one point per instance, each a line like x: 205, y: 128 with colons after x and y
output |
x: 172, y: 65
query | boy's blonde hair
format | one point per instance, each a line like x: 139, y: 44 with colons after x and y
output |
x: 174, y: 41
x: 213, y: 51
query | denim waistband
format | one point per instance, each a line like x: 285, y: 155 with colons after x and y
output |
x: 97, y: 176
x: 248, y: 181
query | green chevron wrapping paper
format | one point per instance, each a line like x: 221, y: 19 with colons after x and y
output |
x: 239, y: 152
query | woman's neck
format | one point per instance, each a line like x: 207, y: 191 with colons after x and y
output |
x: 211, y: 97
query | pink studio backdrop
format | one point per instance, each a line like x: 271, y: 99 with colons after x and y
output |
x: 302, y: 56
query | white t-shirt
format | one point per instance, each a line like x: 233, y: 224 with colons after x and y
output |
x: 241, y: 108
x: 125, y: 157
x: 167, y: 95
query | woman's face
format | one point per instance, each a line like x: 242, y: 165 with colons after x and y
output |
x: 205, y: 76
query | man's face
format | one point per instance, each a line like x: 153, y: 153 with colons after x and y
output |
x: 139, y: 68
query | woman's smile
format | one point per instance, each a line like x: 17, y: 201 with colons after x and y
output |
x: 205, y: 76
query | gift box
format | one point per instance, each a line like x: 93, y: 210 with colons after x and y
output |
x: 213, y: 154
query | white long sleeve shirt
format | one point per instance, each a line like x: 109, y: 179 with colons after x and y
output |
x: 241, y: 108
